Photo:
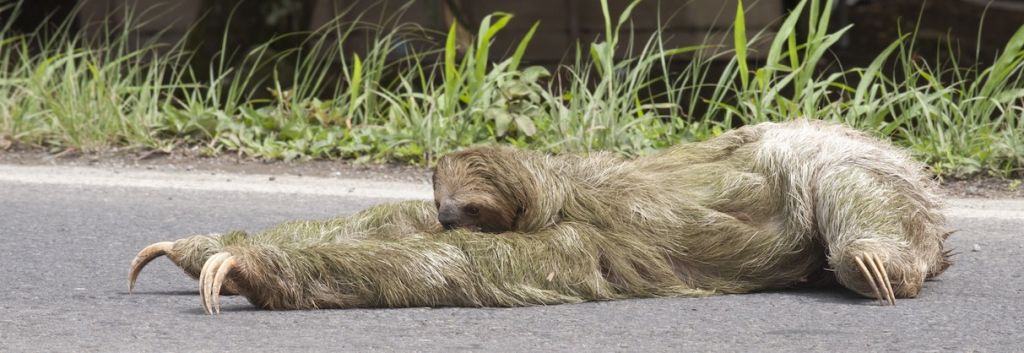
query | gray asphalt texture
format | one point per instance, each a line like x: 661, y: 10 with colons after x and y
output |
x: 64, y: 254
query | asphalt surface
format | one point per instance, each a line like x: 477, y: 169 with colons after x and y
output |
x: 65, y: 249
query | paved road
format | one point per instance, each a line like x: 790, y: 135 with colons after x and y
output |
x: 65, y: 245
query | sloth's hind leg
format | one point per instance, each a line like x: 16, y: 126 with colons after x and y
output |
x: 884, y: 236
x: 876, y: 270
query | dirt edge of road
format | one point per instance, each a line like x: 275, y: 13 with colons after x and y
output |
x: 979, y: 187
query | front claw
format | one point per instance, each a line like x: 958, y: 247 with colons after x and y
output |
x: 147, y: 254
x: 211, y: 279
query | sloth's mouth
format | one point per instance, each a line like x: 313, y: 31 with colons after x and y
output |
x: 467, y: 227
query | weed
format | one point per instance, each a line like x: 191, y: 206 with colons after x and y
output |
x: 402, y: 101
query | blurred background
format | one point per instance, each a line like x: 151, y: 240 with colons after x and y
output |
x: 975, y: 26
x: 408, y: 81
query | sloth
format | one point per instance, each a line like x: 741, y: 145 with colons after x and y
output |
x: 761, y: 207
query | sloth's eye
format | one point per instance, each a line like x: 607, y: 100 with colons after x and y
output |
x: 471, y: 210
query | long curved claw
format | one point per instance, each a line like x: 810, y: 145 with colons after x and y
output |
x: 144, y: 257
x: 874, y: 272
x: 218, y: 280
x: 869, y: 277
x: 211, y: 279
x: 885, y: 280
x: 211, y: 262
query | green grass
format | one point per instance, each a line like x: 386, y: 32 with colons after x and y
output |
x: 59, y: 93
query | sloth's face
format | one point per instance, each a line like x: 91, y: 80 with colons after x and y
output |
x: 467, y: 198
x: 474, y: 214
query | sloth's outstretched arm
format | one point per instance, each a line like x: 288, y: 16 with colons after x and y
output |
x: 387, y: 221
x: 188, y: 253
x: 561, y: 264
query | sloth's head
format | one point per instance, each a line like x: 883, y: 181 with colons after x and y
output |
x: 477, y: 189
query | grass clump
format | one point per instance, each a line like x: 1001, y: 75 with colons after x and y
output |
x: 410, y: 99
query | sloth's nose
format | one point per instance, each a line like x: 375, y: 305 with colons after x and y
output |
x: 448, y: 218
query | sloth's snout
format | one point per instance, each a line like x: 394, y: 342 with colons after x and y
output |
x: 449, y: 217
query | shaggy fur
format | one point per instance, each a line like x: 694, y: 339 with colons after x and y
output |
x: 765, y: 206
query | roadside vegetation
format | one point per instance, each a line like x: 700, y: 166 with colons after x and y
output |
x: 62, y: 92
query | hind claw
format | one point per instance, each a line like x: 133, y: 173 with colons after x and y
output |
x: 874, y: 272
x: 146, y: 255
x: 885, y: 280
x: 212, y: 278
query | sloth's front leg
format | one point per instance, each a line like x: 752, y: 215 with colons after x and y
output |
x: 565, y: 263
x: 420, y: 270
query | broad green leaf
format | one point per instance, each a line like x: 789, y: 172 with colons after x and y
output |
x: 517, y: 89
x: 501, y: 119
x: 532, y: 73
x: 525, y: 125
